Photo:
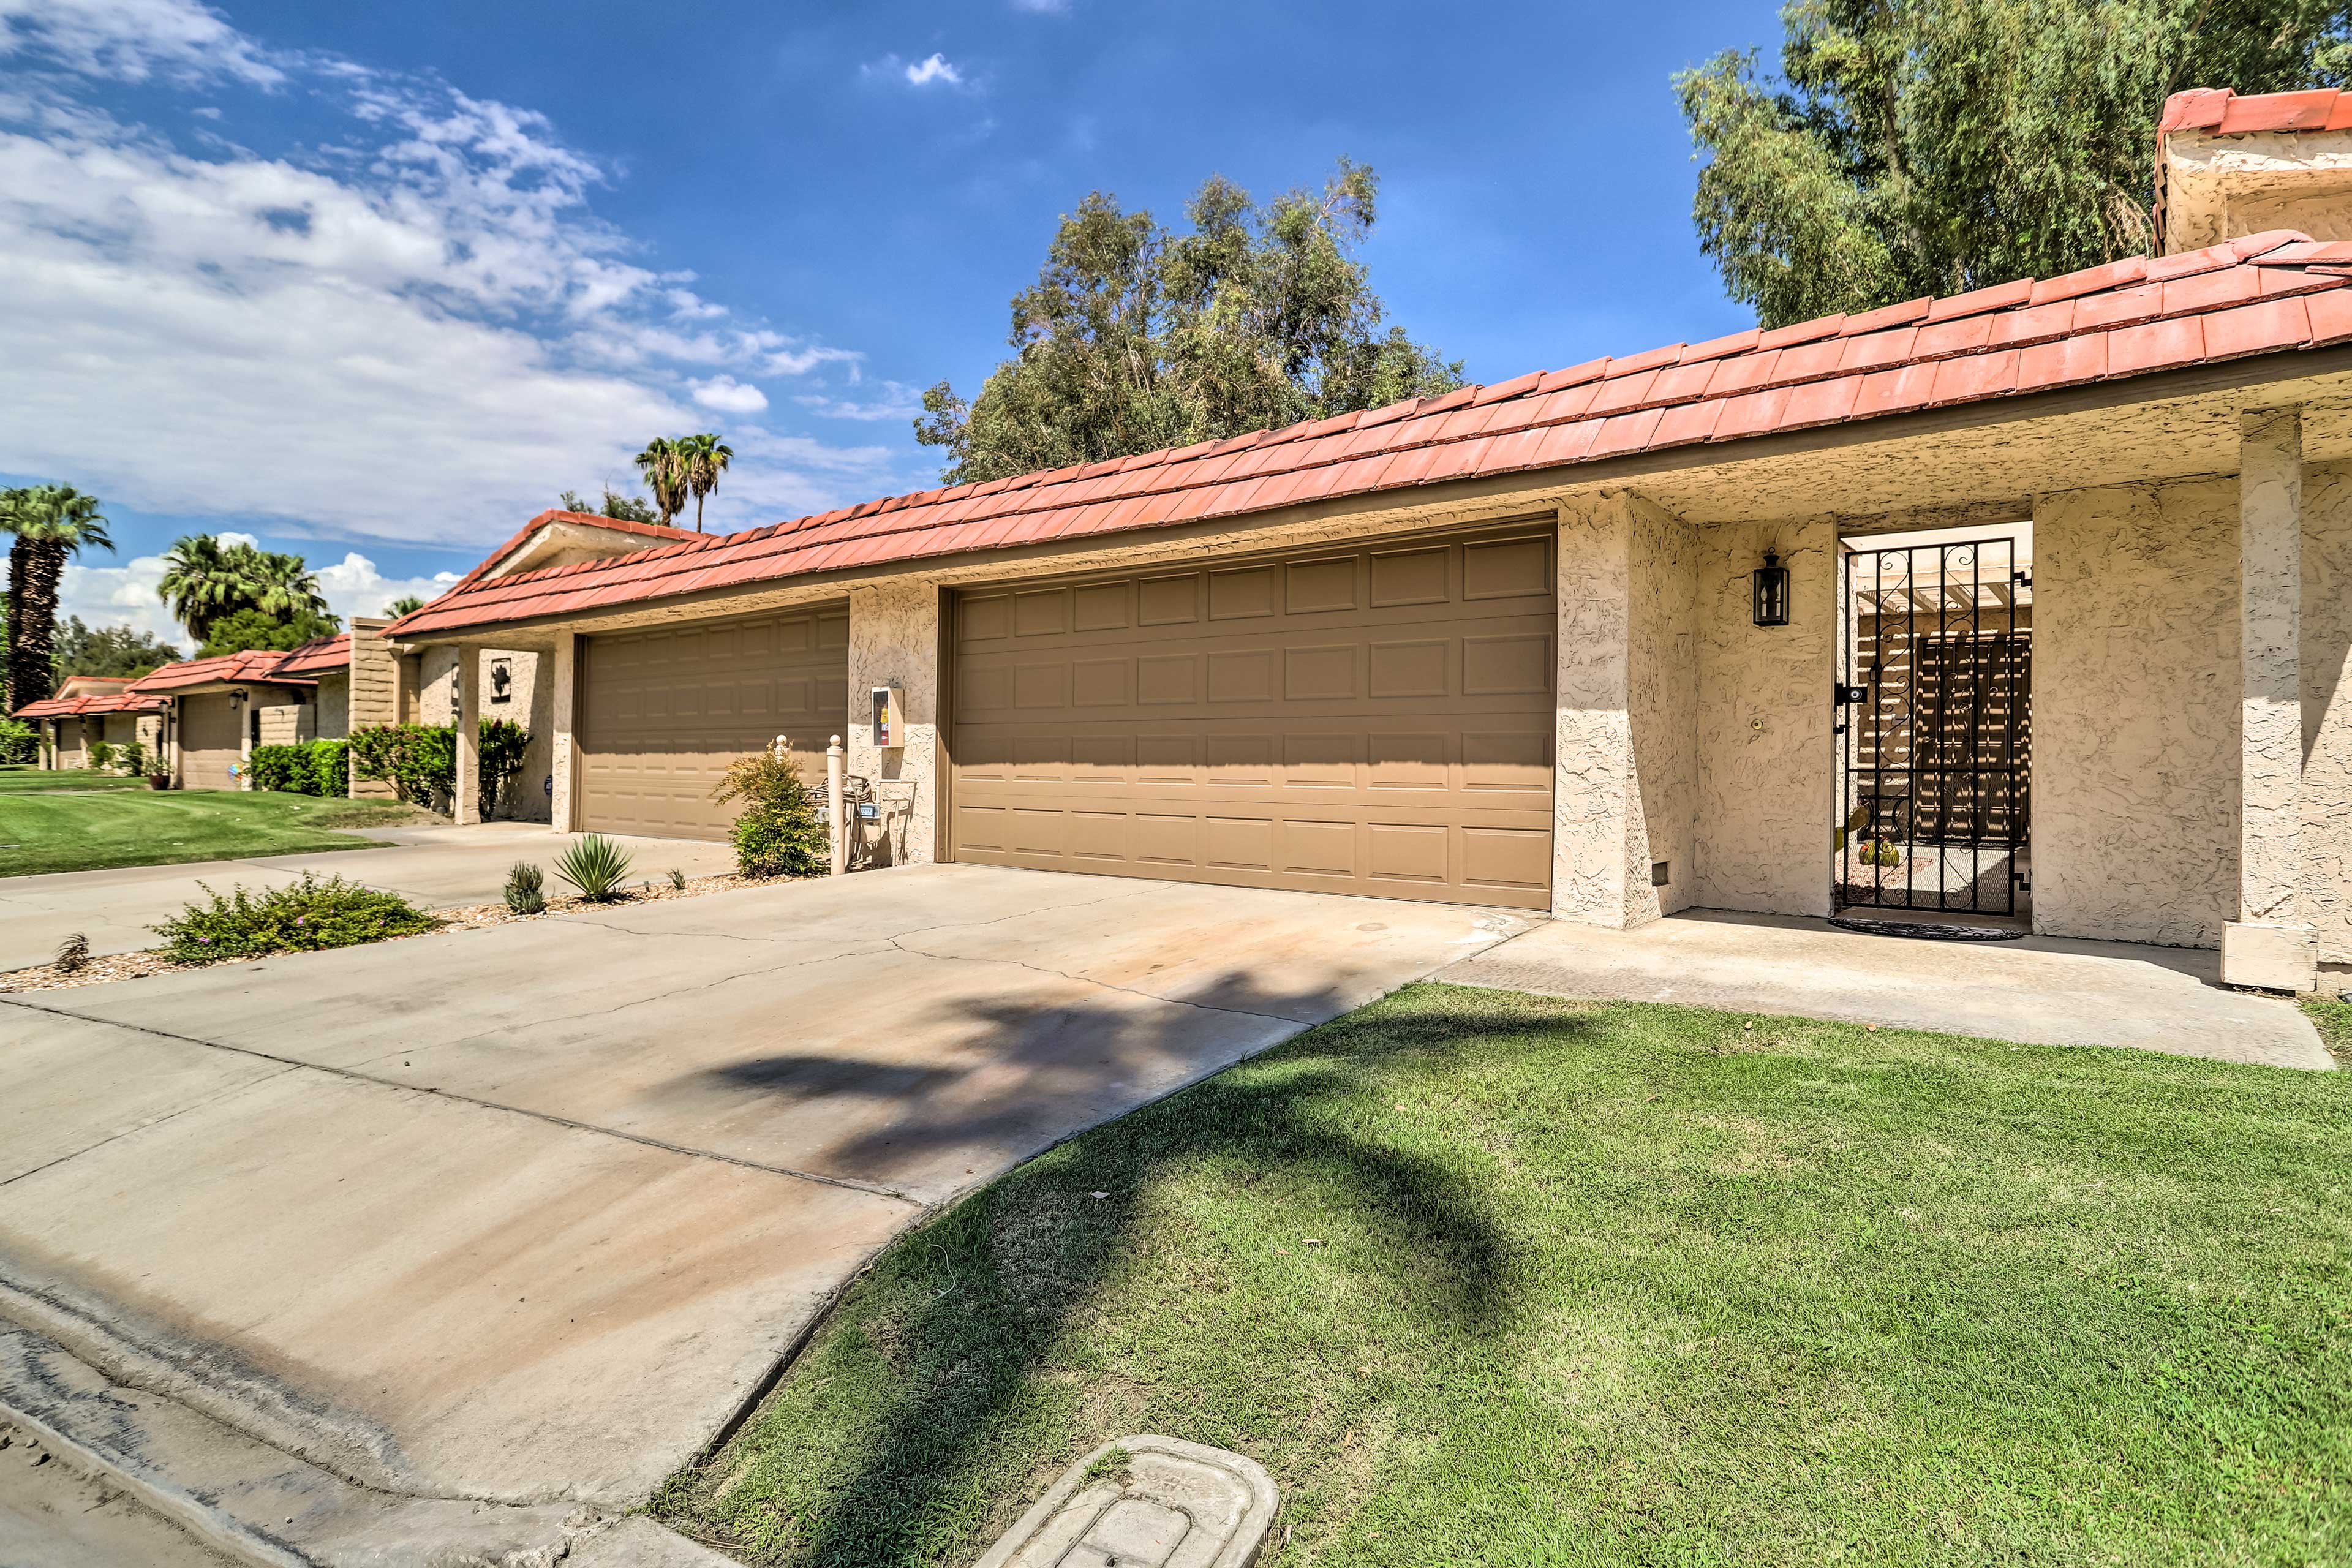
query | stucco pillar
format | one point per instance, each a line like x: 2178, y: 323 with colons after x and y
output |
x: 563, y: 667
x: 894, y: 640
x: 465, y: 807
x: 2269, y: 945
x: 1596, y: 808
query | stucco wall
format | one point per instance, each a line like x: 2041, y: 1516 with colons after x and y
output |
x: 2328, y: 709
x: 334, y: 703
x: 894, y: 640
x: 2136, y: 699
x: 1767, y: 770
x: 1595, y: 812
x: 530, y: 703
x: 1663, y: 703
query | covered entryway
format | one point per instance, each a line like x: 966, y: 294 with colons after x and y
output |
x: 662, y: 712
x: 1366, y: 719
x: 208, y: 742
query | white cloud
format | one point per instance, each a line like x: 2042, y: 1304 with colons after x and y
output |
x: 729, y: 395
x: 924, y: 72
x: 895, y: 401
x: 132, y: 40
x: 418, y: 331
x: 125, y: 596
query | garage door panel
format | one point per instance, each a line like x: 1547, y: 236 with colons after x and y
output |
x: 663, y: 712
x: 1376, y: 720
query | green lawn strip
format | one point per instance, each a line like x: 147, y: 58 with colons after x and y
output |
x: 1620, y: 1284
x: 2334, y: 1022
x: 74, y: 832
x: 17, y: 780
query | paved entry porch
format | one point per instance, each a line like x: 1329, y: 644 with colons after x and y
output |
x: 2049, y: 990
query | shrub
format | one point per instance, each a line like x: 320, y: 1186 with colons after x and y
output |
x: 498, y: 758
x: 19, y: 741
x: 677, y: 878
x: 314, y: 913
x: 101, y: 754
x: 73, y: 952
x: 419, y: 761
x: 596, y: 865
x: 525, y: 888
x: 133, y: 759
x: 273, y: 767
x: 776, y: 833
x: 325, y: 769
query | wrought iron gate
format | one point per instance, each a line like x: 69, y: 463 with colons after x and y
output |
x: 1934, y: 731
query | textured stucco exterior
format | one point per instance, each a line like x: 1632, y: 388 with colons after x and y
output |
x: 1663, y: 700
x: 530, y: 703
x: 894, y: 640
x: 2326, y: 801
x: 2136, y: 712
x: 1625, y: 783
x: 1766, y: 766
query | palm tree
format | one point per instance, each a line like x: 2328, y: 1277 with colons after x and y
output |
x: 200, y: 583
x: 662, y: 463
x: 408, y: 604
x: 704, y: 457
x: 277, y: 584
x: 49, y: 522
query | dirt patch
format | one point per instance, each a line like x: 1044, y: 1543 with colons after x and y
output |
x: 465, y: 917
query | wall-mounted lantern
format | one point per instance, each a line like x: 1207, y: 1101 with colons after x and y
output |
x: 238, y: 695
x: 1770, y: 607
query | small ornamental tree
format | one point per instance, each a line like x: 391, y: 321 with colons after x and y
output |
x: 776, y: 833
x: 419, y: 761
x: 499, y: 758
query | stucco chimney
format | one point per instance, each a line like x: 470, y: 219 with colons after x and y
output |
x: 2228, y: 167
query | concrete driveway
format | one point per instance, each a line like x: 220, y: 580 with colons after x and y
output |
x: 435, y: 1240
x: 436, y: 866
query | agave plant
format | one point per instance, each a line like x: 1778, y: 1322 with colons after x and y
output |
x: 525, y: 888
x: 596, y: 865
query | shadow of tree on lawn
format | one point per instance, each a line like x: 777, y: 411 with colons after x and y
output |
x: 968, y: 1309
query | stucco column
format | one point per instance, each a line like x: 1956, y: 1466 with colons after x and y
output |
x: 467, y: 804
x: 894, y: 640
x: 563, y: 666
x: 1595, y: 807
x: 2269, y: 945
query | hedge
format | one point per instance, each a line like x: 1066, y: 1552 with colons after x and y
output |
x: 314, y: 767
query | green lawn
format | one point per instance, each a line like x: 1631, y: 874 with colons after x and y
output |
x: 16, y: 779
x: 70, y: 831
x: 1492, y: 1279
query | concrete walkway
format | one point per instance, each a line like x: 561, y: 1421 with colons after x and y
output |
x: 436, y: 1241
x: 437, y: 866
x: 2046, y: 990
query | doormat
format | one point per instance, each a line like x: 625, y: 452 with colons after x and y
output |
x: 1924, y: 930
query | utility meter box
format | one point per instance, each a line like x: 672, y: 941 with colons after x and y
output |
x: 889, y: 718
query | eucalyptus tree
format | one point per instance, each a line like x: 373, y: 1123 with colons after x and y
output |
x: 1913, y: 147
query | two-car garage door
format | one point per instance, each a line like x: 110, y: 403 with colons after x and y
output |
x: 662, y: 712
x: 1374, y: 719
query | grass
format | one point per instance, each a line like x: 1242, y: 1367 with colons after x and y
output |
x: 2334, y: 1022
x: 50, y: 831
x: 16, y: 779
x: 1487, y: 1277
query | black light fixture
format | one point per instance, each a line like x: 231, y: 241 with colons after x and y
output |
x: 1770, y: 607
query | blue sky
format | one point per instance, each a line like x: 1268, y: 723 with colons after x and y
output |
x: 375, y: 283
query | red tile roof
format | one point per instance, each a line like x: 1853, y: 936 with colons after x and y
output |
x: 2217, y: 112
x: 2263, y: 294
x: 521, y: 536
x: 74, y: 707
x: 257, y: 665
x: 326, y: 655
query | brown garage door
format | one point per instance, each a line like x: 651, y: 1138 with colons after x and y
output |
x: 1362, y: 720
x: 208, y: 742
x: 663, y: 712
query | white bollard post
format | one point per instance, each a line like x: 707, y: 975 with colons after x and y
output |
x: 832, y: 805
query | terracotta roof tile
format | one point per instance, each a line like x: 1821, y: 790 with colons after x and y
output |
x: 2269, y: 293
